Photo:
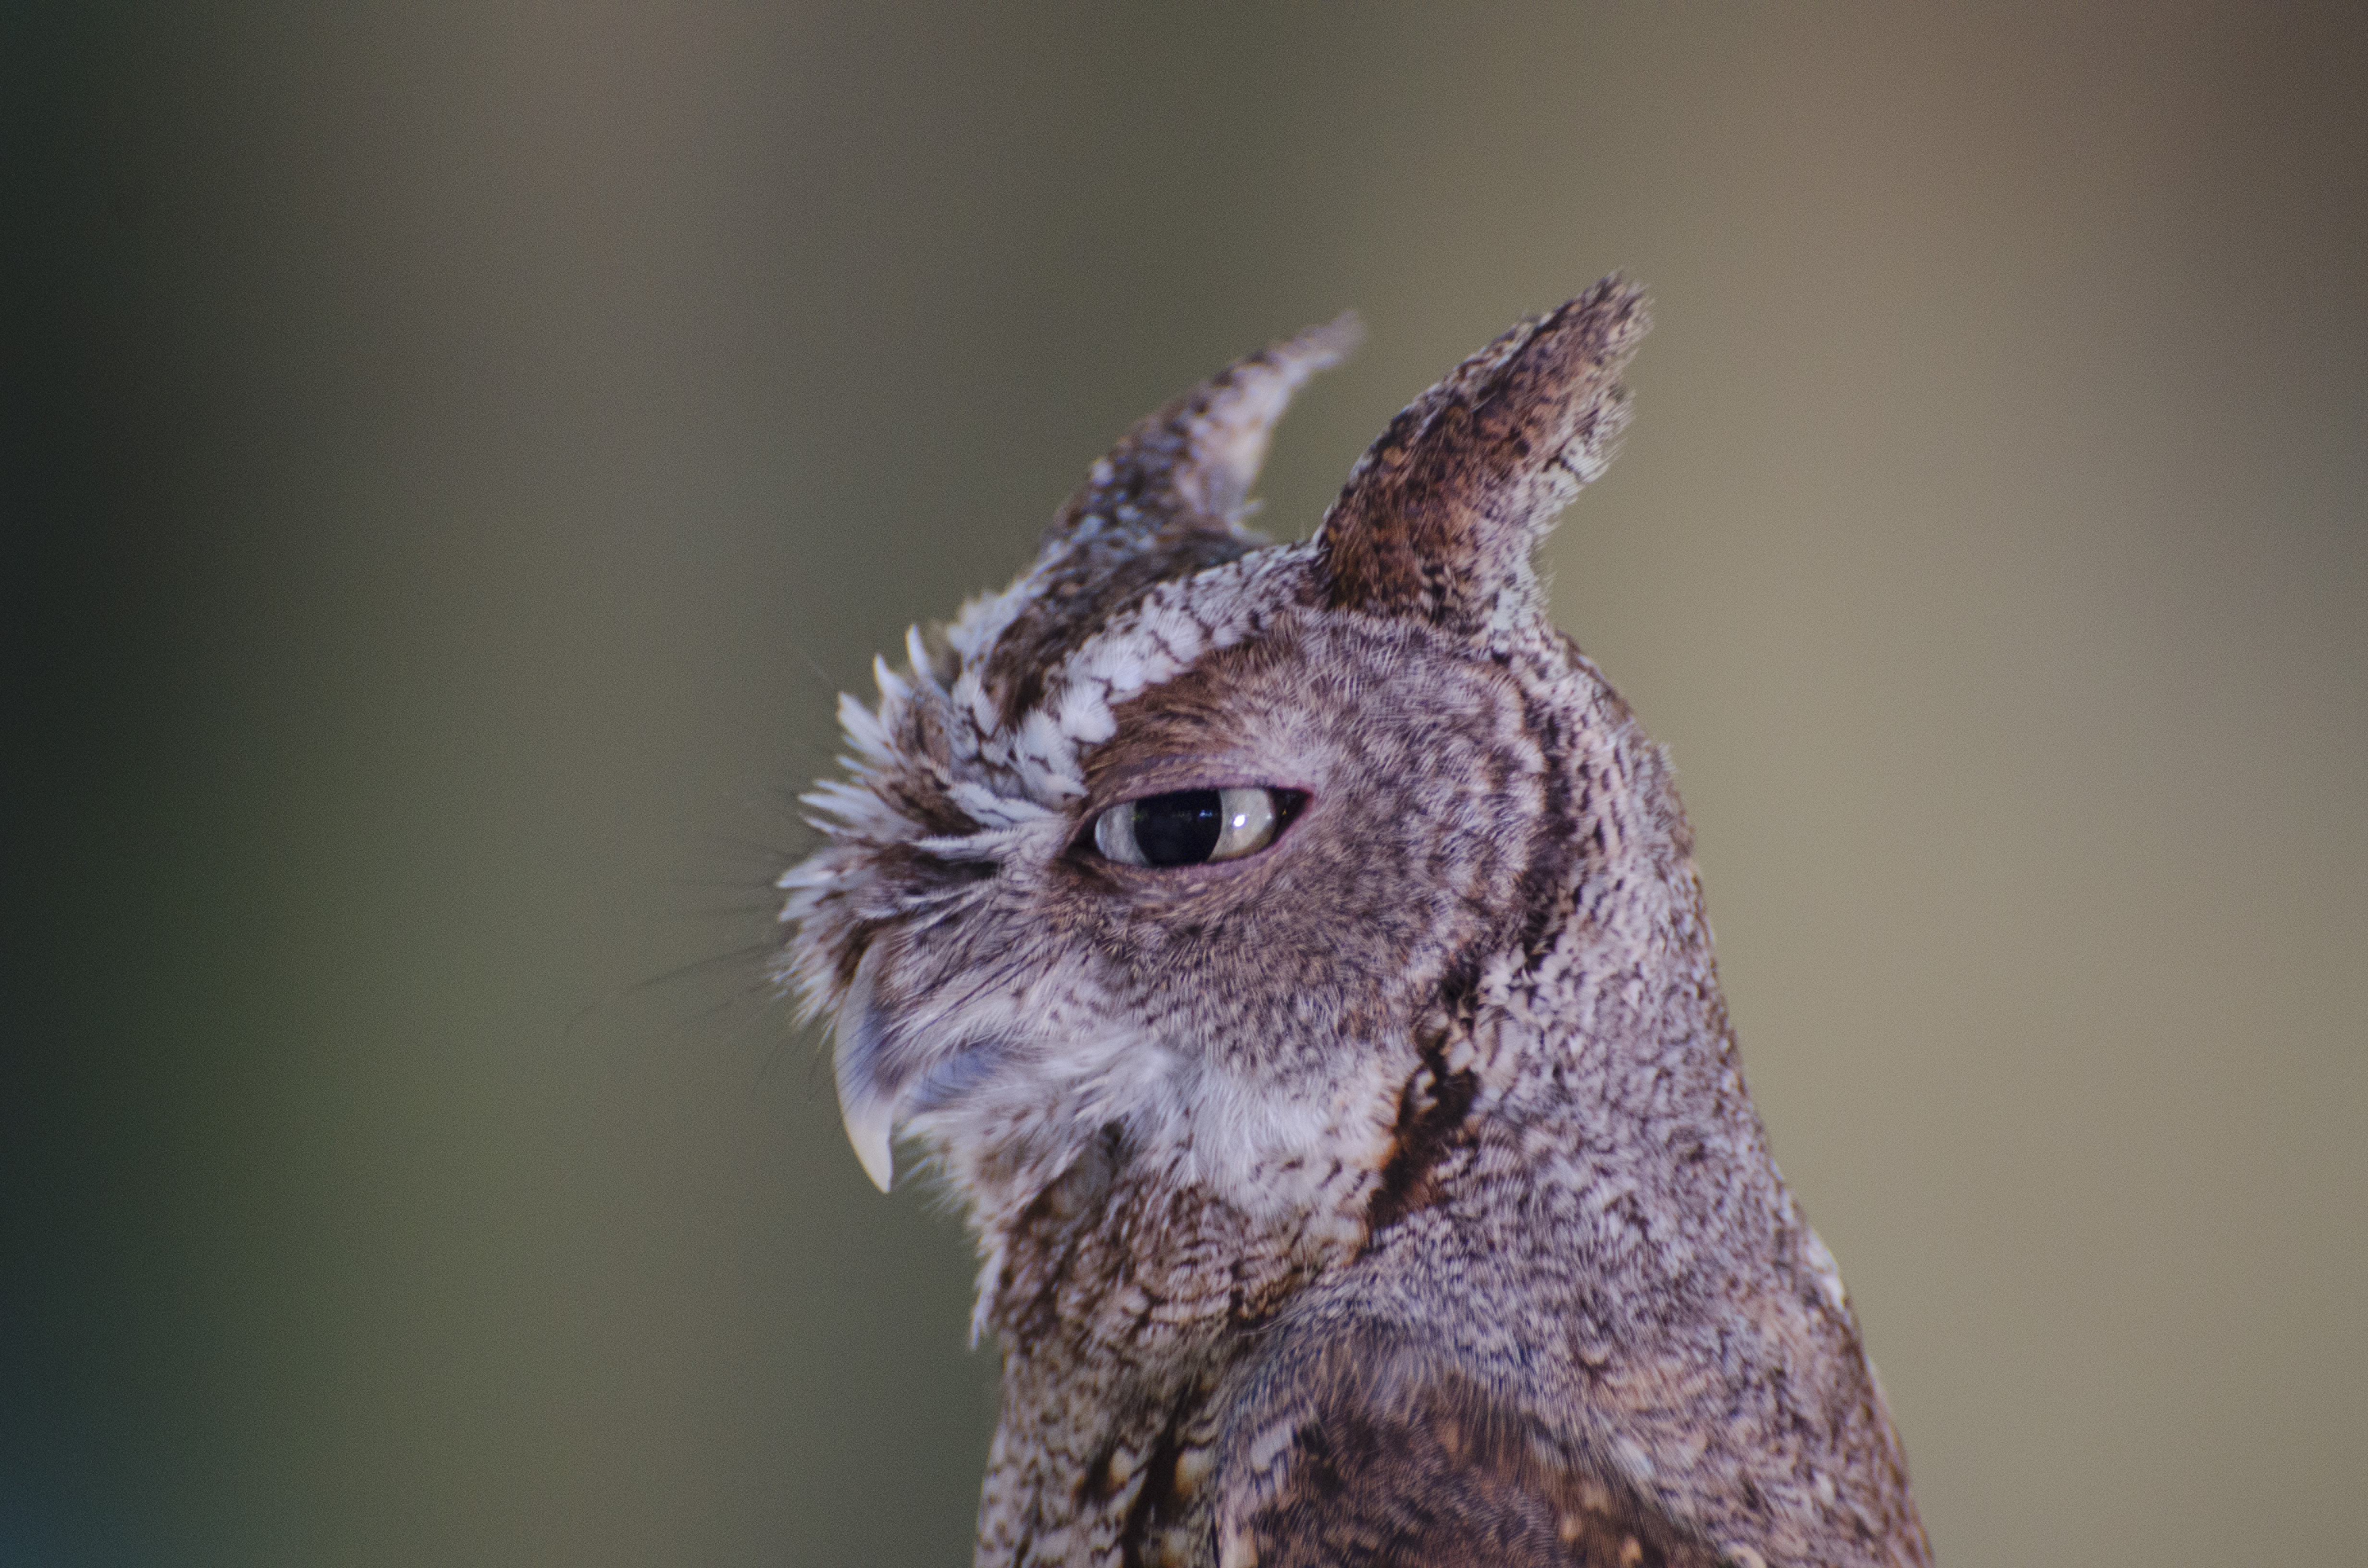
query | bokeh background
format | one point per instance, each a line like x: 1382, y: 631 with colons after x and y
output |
x: 456, y: 453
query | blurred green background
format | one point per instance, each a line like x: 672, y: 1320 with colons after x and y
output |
x: 455, y: 454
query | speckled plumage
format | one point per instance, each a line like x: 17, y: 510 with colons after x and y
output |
x: 1389, y: 1194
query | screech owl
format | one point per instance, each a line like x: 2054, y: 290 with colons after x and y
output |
x: 1291, y: 956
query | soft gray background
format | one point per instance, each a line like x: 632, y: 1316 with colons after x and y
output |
x: 455, y: 455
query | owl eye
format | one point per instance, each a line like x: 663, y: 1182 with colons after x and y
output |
x: 1191, y: 827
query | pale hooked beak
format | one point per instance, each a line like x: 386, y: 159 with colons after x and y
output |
x: 869, y: 1115
x: 871, y: 1124
x: 896, y: 1069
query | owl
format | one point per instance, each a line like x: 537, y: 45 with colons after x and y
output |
x: 1290, y: 957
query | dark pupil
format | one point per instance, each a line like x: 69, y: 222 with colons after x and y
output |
x: 1179, y: 829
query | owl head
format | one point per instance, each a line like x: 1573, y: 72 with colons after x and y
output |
x: 1189, y: 845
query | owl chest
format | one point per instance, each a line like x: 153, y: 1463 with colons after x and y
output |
x: 1120, y: 1314
x: 1096, y: 1463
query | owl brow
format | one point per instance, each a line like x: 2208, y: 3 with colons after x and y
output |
x: 1165, y: 776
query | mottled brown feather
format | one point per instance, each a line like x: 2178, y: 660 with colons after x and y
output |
x: 1389, y: 1194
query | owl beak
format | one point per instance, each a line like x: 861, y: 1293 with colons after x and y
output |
x: 891, y: 1075
x: 868, y: 1113
x: 871, y: 1123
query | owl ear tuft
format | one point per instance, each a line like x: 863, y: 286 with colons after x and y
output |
x: 1441, y: 516
x: 1188, y: 468
x: 1167, y: 501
